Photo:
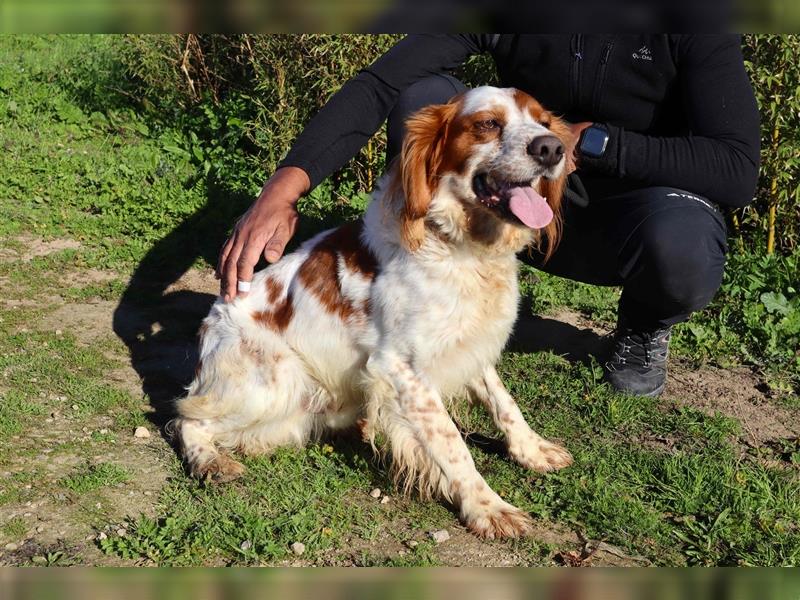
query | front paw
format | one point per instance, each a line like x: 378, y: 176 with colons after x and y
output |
x: 493, y: 518
x: 540, y: 455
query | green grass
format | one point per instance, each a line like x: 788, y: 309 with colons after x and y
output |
x: 293, y: 496
x: 15, y: 528
x: 82, y: 163
x: 94, y: 477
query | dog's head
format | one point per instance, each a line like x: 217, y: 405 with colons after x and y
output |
x: 488, y: 166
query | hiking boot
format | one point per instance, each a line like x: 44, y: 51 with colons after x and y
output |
x: 638, y: 363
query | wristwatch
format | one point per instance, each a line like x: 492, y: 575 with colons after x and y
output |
x: 594, y: 140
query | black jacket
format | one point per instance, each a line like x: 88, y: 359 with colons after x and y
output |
x: 679, y: 108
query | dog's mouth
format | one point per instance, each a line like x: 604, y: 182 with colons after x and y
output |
x: 515, y: 199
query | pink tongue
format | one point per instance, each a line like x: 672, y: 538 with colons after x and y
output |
x: 529, y: 207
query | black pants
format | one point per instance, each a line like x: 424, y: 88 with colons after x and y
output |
x: 665, y: 246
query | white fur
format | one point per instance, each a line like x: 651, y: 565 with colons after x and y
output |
x: 438, y: 319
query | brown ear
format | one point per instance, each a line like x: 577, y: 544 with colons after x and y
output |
x: 423, y: 146
x: 553, y: 190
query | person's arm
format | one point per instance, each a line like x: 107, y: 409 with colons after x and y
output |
x: 719, y: 160
x: 340, y: 129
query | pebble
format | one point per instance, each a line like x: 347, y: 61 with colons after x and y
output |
x: 103, y: 431
x: 298, y: 548
x: 376, y: 493
x: 141, y: 432
x: 101, y: 536
x: 11, y: 547
x: 39, y: 529
x: 246, y: 545
x: 121, y: 532
x: 58, y: 332
x: 385, y: 500
x: 440, y: 536
x: 75, y: 407
x: 412, y: 543
x: 148, y: 493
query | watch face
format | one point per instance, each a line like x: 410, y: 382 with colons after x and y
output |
x: 594, y: 142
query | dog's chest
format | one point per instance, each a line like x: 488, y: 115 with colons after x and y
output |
x: 467, y: 321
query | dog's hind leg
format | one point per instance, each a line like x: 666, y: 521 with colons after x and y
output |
x: 525, y: 446
x: 203, y: 459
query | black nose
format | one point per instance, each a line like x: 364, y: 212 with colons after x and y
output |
x: 547, y: 150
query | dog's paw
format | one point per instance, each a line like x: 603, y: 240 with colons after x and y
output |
x: 220, y: 469
x: 494, y: 519
x: 540, y: 455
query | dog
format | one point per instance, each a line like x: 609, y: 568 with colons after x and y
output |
x: 387, y: 321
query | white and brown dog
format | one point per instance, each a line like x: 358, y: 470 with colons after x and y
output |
x: 385, y: 321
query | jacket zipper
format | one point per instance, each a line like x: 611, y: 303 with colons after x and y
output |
x: 576, y: 46
x: 600, y: 79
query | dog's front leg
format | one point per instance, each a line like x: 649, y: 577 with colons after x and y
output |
x: 421, y: 407
x: 525, y: 446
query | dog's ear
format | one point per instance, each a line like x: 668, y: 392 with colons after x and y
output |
x: 553, y: 191
x: 423, y: 148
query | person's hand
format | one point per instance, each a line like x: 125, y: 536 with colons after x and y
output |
x: 266, y: 227
x: 572, y: 144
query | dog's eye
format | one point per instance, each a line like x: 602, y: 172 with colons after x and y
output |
x: 487, y: 125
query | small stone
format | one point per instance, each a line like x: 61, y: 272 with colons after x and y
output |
x: 121, y: 532
x: 58, y: 332
x: 385, y: 500
x: 412, y: 544
x: 39, y: 529
x: 11, y: 547
x: 75, y: 407
x: 39, y: 560
x: 440, y: 536
x: 246, y: 545
x: 101, y: 536
x: 376, y: 493
x: 141, y: 432
x: 103, y: 431
x: 298, y: 548
x: 148, y: 493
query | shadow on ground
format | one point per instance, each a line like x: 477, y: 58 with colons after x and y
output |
x: 533, y: 333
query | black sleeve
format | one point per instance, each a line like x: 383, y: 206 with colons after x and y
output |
x: 719, y: 159
x: 352, y: 115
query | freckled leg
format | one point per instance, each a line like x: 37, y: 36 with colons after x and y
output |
x: 482, y: 510
x: 524, y: 445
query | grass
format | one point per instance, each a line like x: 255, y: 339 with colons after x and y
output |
x: 94, y: 477
x: 672, y: 484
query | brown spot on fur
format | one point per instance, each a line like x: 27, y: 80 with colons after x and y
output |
x: 274, y: 290
x: 320, y: 273
x: 201, y: 332
x: 278, y: 318
x: 198, y: 368
x: 448, y: 434
x: 484, y: 502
